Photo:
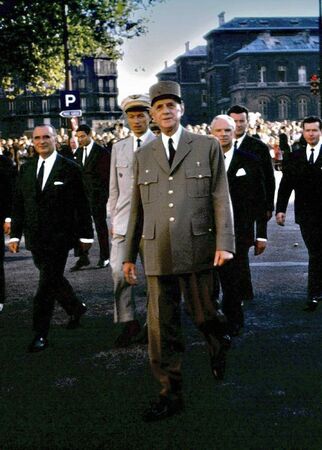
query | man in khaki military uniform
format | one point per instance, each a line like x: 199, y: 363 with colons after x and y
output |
x: 181, y: 207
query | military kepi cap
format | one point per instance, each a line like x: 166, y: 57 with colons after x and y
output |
x: 136, y: 102
x: 165, y: 89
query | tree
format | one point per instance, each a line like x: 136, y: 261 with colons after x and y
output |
x: 32, y: 36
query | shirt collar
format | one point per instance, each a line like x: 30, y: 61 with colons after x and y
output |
x: 228, y: 157
x: 49, y: 161
x: 175, y: 138
x: 142, y: 138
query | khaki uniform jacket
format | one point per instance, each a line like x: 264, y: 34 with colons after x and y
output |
x: 184, y: 213
x: 121, y: 183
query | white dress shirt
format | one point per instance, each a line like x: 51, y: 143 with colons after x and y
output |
x: 315, y: 153
x: 142, y: 138
x: 175, y: 138
x: 49, y: 162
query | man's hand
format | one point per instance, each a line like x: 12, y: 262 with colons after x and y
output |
x: 259, y: 247
x: 269, y: 215
x: 7, y: 227
x: 221, y: 257
x: 13, y: 247
x: 280, y: 219
x: 129, y: 271
x: 85, y: 245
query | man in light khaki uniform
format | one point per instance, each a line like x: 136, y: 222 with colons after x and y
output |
x: 181, y: 207
x: 136, y: 108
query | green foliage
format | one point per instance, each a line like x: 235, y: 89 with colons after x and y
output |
x: 32, y: 36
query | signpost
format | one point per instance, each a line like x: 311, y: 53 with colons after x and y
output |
x: 70, y: 106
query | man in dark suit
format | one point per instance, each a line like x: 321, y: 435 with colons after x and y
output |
x: 7, y: 176
x: 181, y: 209
x: 247, y: 192
x: 302, y: 172
x: 51, y: 209
x: 94, y: 161
x: 249, y: 144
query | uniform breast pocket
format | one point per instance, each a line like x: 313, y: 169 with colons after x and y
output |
x: 149, y: 187
x: 198, y: 181
x: 121, y: 168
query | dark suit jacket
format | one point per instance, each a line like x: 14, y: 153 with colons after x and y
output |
x: 7, y: 176
x: 247, y: 191
x: 96, y: 174
x: 255, y: 146
x: 58, y: 215
x: 306, y: 180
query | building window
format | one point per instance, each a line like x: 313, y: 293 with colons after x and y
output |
x: 263, y: 108
x: 204, y: 98
x: 81, y: 67
x: 302, y: 108
x: 31, y: 123
x: 104, y: 67
x: 44, y: 105
x: 281, y: 74
x: 302, y: 74
x: 112, y: 103
x: 283, y: 109
x: 262, y: 75
x: 47, y: 120
x: 111, y: 85
x: 30, y: 105
x: 83, y: 104
x: 100, y: 84
x: 101, y: 102
x: 81, y: 83
x: 11, y: 107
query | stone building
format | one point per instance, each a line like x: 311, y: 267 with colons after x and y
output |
x: 262, y: 63
x: 95, y: 79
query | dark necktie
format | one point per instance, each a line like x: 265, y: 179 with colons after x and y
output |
x: 84, y: 155
x: 40, y: 176
x: 235, y: 145
x: 172, y: 151
x: 138, y: 143
x: 311, y: 158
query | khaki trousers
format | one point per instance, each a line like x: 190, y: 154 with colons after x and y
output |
x: 164, y: 323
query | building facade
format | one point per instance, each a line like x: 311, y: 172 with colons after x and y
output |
x: 264, y: 64
x: 95, y: 79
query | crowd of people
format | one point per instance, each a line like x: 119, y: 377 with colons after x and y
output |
x: 191, y: 201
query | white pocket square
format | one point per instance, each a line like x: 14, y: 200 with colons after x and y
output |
x: 58, y: 183
x: 240, y: 172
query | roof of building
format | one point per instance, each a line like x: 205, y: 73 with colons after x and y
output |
x: 267, y: 23
x: 200, y: 50
x: 265, y: 43
x: 170, y: 69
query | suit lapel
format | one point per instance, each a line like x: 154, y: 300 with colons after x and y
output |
x: 160, y: 155
x: 54, y: 171
x: 183, y: 149
x: 234, y: 164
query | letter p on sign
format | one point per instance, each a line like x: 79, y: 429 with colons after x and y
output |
x: 69, y: 100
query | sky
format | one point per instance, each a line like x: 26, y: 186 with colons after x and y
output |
x: 174, y: 22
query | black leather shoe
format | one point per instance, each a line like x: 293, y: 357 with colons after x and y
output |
x: 38, y: 344
x: 163, y: 409
x: 102, y: 263
x: 130, y: 332
x: 83, y: 261
x: 74, y: 321
x: 312, y: 304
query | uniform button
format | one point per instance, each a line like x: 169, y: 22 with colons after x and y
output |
x: 171, y: 205
x: 143, y: 236
x: 200, y: 176
x: 210, y: 229
x: 172, y: 219
x: 170, y: 192
x: 147, y: 171
x: 145, y: 182
x: 170, y: 178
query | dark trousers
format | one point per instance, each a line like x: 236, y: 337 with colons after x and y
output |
x: 99, y: 217
x: 235, y: 280
x: 2, y: 279
x: 164, y: 323
x: 312, y: 237
x: 52, y: 286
